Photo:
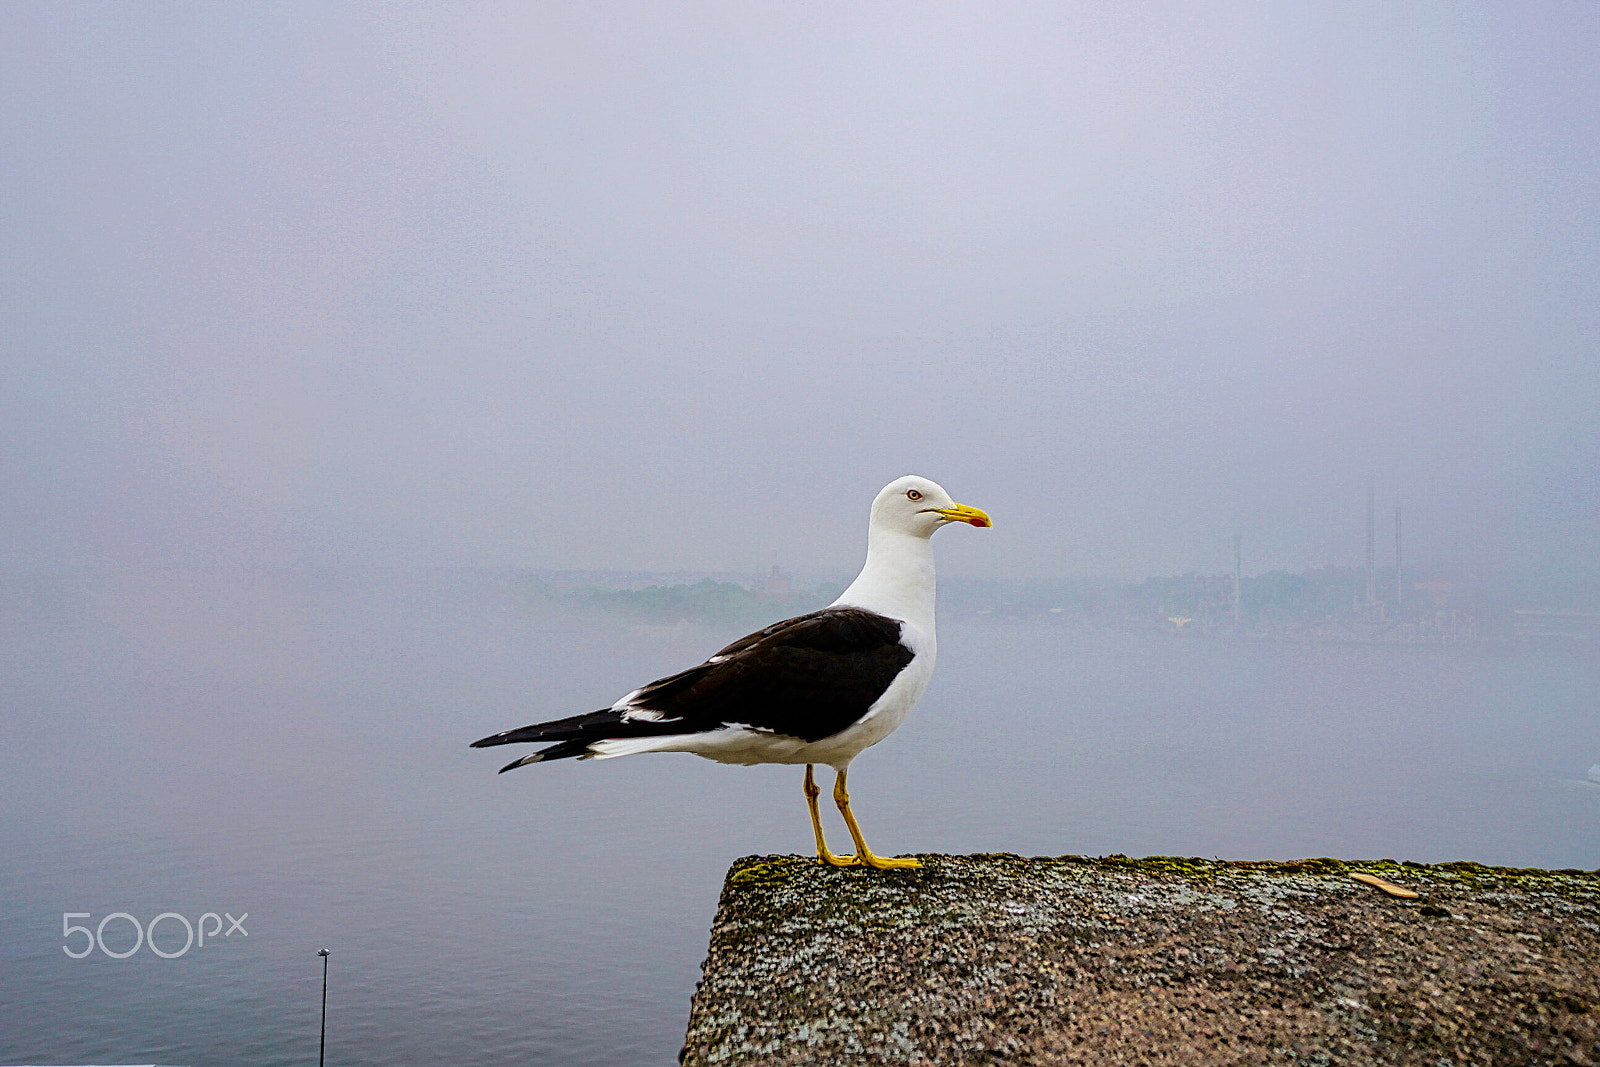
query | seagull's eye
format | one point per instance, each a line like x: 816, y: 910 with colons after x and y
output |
x: 912, y: 494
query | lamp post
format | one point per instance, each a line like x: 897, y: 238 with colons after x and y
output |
x: 322, y: 1043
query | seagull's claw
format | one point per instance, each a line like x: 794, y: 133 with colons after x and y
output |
x: 863, y: 856
x: 882, y: 863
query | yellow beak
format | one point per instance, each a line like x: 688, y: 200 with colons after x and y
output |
x: 962, y: 513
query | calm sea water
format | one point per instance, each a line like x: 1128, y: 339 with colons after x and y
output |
x: 293, y: 756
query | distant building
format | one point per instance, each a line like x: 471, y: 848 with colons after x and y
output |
x: 1439, y: 589
x: 774, y: 588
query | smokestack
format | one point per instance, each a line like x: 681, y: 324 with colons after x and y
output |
x: 1399, y: 584
x: 1372, y: 548
x: 1236, y: 541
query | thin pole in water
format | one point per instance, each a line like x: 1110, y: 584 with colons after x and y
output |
x: 322, y: 1044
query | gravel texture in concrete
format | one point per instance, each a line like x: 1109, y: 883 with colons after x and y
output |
x: 1008, y: 960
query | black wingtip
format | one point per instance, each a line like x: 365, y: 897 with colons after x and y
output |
x: 523, y: 762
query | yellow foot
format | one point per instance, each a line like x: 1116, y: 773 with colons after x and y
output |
x: 863, y: 855
x: 882, y: 863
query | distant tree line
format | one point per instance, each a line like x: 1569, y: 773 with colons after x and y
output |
x: 706, y: 602
x: 1274, y: 600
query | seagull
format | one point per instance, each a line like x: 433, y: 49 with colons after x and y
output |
x: 817, y: 688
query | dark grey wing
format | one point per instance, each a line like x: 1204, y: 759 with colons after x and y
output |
x: 809, y: 677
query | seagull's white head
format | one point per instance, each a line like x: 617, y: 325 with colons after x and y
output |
x: 917, y: 506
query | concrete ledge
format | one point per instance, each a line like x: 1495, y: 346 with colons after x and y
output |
x: 1005, y: 960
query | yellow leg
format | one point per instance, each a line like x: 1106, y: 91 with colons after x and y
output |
x: 812, y: 792
x: 863, y: 853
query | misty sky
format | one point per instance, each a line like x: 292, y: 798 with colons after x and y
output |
x: 680, y: 286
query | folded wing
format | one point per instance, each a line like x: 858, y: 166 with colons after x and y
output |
x: 809, y: 677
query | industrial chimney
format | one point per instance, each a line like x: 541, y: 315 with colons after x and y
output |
x: 1372, y: 550
x: 1399, y: 584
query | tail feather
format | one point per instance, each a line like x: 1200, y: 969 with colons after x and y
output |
x: 574, y: 735
x: 564, y: 750
x: 590, y: 727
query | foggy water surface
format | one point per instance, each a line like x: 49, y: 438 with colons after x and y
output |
x: 296, y: 752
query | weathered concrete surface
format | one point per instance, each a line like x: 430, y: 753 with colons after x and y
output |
x: 1005, y: 960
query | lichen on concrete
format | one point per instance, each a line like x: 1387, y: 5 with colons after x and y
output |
x: 1002, y: 959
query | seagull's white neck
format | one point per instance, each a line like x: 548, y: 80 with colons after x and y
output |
x: 897, y: 580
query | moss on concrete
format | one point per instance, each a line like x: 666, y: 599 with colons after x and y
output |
x: 1003, y: 959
